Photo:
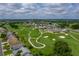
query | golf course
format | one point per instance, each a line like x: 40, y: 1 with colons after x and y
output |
x: 42, y: 43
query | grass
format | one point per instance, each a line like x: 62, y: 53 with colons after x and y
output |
x: 35, y: 43
x: 24, y: 30
x: 35, y: 33
x: 73, y: 44
x: 8, y: 52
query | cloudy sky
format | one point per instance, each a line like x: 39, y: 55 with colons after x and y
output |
x: 39, y: 10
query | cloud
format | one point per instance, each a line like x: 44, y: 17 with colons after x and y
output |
x: 55, y: 8
x: 38, y: 9
x: 54, y: 11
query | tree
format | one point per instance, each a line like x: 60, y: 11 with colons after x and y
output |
x: 6, y: 46
x: 74, y: 26
x: 2, y: 24
x: 13, y: 25
x: 63, y: 25
x: 61, y: 48
x: 3, y: 35
x: 19, y: 53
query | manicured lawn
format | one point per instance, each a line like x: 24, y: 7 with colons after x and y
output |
x: 35, y: 33
x: 73, y: 44
x: 24, y: 30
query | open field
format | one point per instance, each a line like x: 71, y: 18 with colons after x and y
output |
x: 41, y: 42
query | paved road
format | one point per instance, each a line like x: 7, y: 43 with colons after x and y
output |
x: 1, y: 53
x: 2, y: 30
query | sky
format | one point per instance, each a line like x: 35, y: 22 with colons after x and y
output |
x: 39, y: 10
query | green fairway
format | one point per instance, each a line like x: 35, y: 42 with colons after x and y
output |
x: 74, y: 44
x: 42, y: 43
x: 35, y: 33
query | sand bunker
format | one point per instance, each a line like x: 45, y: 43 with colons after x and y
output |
x: 45, y: 36
x: 62, y: 36
x: 53, y: 39
x: 66, y: 34
x: 61, y: 32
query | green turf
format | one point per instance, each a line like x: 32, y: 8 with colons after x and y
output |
x: 73, y: 44
x: 35, y: 33
x: 24, y: 30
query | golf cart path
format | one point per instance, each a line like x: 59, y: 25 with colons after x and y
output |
x: 29, y: 40
x: 73, y: 37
